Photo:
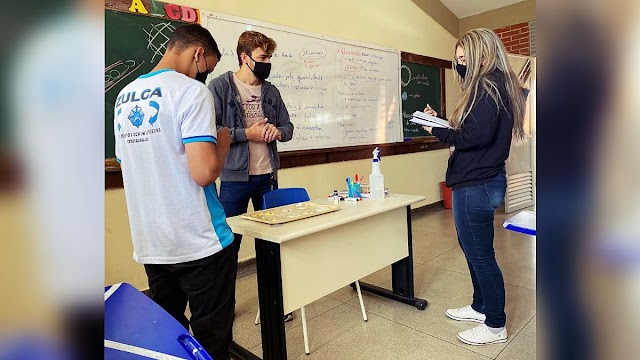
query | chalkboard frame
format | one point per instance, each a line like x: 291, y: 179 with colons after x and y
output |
x: 291, y: 159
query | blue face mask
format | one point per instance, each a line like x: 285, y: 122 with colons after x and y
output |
x: 462, y: 70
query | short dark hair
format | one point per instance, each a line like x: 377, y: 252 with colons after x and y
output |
x: 251, y: 40
x: 193, y: 35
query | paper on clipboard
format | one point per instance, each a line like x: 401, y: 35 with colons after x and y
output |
x: 425, y: 119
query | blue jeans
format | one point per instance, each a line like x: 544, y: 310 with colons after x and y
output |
x: 235, y: 196
x: 473, y: 212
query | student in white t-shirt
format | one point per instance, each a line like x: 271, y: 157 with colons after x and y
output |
x: 171, y: 154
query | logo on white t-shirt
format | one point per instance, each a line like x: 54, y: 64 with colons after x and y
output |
x: 148, y: 111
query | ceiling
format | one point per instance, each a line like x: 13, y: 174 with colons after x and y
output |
x: 465, y: 8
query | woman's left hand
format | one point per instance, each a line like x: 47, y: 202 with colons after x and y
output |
x: 428, y: 128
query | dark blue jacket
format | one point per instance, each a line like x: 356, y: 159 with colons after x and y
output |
x: 482, y: 143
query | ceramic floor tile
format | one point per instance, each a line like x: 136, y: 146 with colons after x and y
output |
x: 341, y: 334
x: 518, y: 264
x: 440, y: 222
x: 523, y: 345
x: 503, y: 236
x: 428, y: 245
x: 245, y: 332
x: 445, y: 289
x: 346, y: 293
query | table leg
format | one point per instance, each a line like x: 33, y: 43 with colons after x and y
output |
x: 274, y: 345
x: 240, y: 353
x: 402, y: 277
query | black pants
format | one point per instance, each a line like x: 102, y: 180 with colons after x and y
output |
x: 209, y: 285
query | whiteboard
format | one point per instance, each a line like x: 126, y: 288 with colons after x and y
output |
x: 337, y: 92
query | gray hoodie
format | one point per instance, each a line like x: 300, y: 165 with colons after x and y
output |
x: 229, y: 114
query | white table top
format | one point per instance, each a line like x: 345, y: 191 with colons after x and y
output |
x: 349, y: 212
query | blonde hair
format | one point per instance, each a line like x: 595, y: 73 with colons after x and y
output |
x: 484, y: 53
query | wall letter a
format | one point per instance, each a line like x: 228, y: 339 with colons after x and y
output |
x: 136, y: 6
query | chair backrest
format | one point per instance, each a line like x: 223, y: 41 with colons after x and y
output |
x: 281, y: 197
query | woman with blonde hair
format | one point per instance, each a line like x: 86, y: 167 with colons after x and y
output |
x: 490, y: 112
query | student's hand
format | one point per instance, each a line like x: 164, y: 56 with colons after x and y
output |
x: 271, y: 133
x: 428, y: 128
x: 254, y: 133
x: 428, y: 110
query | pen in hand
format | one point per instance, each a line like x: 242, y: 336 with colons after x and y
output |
x: 430, y: 111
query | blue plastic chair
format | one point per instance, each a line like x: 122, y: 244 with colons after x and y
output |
x: 281, y: 197
x: 286, y: 196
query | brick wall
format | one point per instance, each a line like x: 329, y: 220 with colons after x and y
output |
x: 516, y: 38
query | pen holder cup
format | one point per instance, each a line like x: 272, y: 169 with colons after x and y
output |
x: 354, y: 190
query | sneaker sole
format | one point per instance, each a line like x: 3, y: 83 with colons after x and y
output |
x: 478, y: 344
x: 464, y: 319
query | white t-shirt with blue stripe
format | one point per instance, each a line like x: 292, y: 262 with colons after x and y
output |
x: 173, y: 219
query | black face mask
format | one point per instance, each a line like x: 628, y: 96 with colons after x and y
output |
x: 202, y: 76
x: 261, y: 69
x: 462, y: 70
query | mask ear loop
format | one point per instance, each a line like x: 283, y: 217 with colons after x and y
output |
x: 254, y: 62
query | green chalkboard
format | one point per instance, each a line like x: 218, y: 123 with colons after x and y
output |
x: 421, y: 85
x: 133, y: 46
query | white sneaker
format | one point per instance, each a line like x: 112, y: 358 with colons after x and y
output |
x: 481, y: 335
x: 466, y: 314
x: 288, y: 317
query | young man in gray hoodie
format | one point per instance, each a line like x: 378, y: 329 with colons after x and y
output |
x: 254, y: 112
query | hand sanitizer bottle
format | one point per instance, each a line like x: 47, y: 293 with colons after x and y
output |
x: 376, y: 179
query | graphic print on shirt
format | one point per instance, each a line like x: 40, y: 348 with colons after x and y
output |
x: 137, y: 116
x: 252, y: 110
x: 144, y: 110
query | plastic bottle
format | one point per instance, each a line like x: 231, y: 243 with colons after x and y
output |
x: 376, y: 179
x: 336, y: 197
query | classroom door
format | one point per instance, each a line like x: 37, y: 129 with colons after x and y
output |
x: 521, y: 185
